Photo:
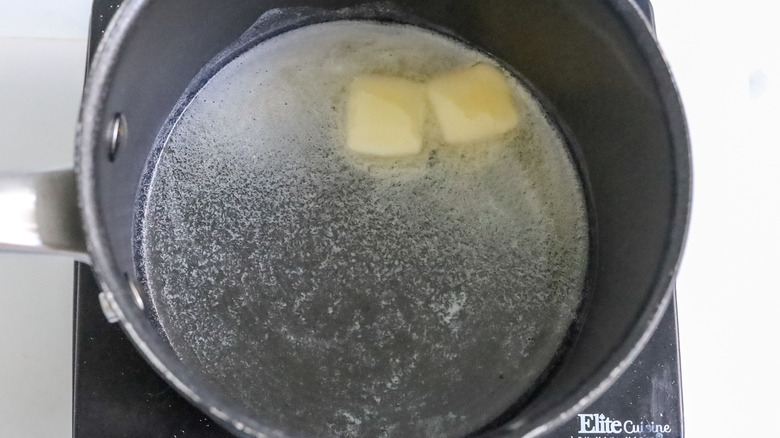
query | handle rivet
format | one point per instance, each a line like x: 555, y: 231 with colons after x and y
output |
x: 117, y: 134
x: 108, y: 309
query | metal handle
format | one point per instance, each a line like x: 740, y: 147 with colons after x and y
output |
x: 39, y: 214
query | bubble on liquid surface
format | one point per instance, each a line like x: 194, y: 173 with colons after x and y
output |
x: 350, y: 296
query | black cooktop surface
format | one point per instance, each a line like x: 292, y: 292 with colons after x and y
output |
x: 117, y: 394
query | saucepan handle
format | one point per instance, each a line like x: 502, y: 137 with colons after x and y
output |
x: 39, y: 214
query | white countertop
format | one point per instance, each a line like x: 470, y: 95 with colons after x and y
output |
x: 727, y: 64
x: 42, y: 59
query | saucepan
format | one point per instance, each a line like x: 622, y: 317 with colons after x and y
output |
x: 287, y: 291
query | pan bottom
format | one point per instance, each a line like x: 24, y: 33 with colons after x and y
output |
x: 350, y: 296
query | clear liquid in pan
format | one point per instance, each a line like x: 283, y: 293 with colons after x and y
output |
x: 344, y: 296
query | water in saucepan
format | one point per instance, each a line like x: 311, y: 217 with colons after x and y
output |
x: 340, y: 295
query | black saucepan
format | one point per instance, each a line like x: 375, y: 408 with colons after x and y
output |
x: 599, y: 74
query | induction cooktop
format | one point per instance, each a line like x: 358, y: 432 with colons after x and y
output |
x: 117, y: 394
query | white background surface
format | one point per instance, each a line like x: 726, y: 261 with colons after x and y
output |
x: 42, y: 59
x: 726, y: 58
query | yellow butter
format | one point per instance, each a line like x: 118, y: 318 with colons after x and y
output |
x: 472, y: 104
x: 385, y: 116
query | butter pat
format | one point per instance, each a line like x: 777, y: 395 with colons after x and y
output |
x: 385, y: 116
x: 472, y: 104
